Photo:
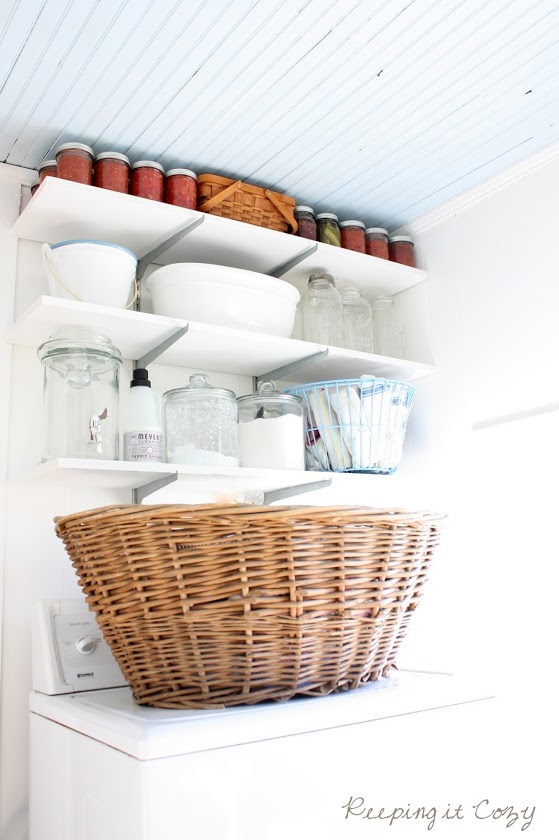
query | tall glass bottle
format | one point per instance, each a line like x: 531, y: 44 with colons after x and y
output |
x: 358, y: 323
x: 322, y: 311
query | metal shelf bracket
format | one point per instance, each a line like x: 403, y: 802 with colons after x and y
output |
x: 260, y: 497
x: 148, y: 358
x: 152, y: 255
x: 140, y: 493
x: 282, y: 372
x: 287, y: 266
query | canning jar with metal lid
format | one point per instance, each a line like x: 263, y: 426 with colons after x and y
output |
x: 80, y: 395
x: 112, y: 171
x: 328, y: 229
x: 377, y: 242
x: 74, y: 162
x: 306, y: 221
x: 201, y: 424
x: 271, y: 431
x: 401, y: 250
x: 35, y: 186
x: 47, y: 167
x: 353, y: 235
x: 181, y: 188
x: 147, y: 178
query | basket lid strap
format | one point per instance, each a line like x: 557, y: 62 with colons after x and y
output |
x: 221, y: 196
x: 287, y: 214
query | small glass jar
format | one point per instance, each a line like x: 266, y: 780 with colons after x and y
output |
x: 112, y: 172
x: 181, y: 188
x: 353, y: 235
x: 74, y: 162
x: 328, y: 229
x: 377, y: 243
x: 271, y: 431
x: 201, y: 424
x: 388, y: 330
x: 80, y: 395
x: 147, y: 178
x: 401, y: 250
x: 306, y: 221
x: 35, y: 186
x: 321, y: 306
x: 47, y: 168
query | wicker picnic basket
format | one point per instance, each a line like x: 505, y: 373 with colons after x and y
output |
x: 246, y: 203
x: 206, y: 606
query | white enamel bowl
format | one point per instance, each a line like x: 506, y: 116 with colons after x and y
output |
x: 229, y: 297
x: 91, y: 271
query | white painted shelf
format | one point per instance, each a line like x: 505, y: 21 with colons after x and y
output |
x: 128, y: 475
x: 62, y: 210
x: 204, y: 346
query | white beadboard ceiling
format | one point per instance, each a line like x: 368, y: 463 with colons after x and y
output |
x: 374, y: 110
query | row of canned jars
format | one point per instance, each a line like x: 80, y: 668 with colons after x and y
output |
x: 353, y: 235
x: 113, y: 171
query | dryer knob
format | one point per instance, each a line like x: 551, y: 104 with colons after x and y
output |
x: 86, y: 644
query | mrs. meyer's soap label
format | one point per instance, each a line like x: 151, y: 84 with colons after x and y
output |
x: 143, y: 446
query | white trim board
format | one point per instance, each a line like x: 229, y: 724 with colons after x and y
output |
x: 498, y: 182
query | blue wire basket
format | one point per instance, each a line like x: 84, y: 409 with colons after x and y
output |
x: 355, y: 425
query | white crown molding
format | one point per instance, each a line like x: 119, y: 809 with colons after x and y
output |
x: 19, y: 174
x: 498, y: 182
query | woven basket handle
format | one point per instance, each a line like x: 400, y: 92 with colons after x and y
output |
x: 287, y: 215
x: 221, y: 196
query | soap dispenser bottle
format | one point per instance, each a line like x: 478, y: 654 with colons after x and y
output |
x: 142, y: 427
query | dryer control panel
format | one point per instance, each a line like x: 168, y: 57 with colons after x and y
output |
x: 69, y: 653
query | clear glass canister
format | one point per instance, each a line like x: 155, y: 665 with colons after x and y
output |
x: 358, y: 324
x: 201, y: 424
x: 80, y: 397
x: 388, y: 330
x: 328, y: 229
x: 271, y: 432
x: 321, y: 306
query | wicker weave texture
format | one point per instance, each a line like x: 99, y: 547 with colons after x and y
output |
x: 246, y: 203
x: 206, y: 606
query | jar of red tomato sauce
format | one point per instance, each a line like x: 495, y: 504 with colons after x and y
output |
x: 111, y: 171
x: 353, y: 235
x: 47, y: 167
x: 35, y: 186
x: 377, y: 242
x: 74, y: 162
x: 181, y: 188
x: 147, y: 178
x: 306, y: 222
x: 401, y: 250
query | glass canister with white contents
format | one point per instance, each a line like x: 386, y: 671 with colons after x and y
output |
x: 271, y: 432
x: 201, y: 424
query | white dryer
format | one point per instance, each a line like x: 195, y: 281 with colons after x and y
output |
x: 104, y: 768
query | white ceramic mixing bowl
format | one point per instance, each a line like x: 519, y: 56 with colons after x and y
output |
x: 91, y: 271
x: 230, y: 297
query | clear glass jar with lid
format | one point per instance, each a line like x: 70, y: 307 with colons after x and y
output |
x: 271, y: 432
x: 80, y: 395
x: 74, y: 162
x: 353, y: 235
x: 328, y: 229
x: 201, y: 424
x: 306, y: 222
x: 321, y: 306
x: 358, y: 323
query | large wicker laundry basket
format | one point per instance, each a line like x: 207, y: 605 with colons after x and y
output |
x: 207, y: 606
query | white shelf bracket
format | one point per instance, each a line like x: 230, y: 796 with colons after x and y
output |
x: 148, y: 358
x: 287, y: 266
x: 151, y: 256
x: 282, y: 372
x: 140, y: 493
